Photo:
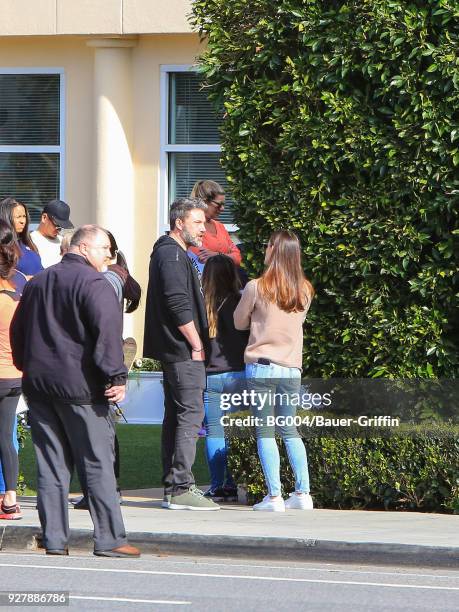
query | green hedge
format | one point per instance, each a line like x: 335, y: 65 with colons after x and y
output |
x: 417, y: 471
x: 342, y: 122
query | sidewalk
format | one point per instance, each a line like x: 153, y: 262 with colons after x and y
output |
x: 327, y: 535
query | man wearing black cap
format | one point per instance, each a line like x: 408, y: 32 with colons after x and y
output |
x: 47, y: 239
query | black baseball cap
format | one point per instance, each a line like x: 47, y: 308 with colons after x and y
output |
x: 59, y: 212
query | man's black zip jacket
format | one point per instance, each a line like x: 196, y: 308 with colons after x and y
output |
x: 174, y: 298
x: 66, y: 333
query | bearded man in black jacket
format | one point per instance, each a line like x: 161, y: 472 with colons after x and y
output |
x: 176, y: 334
x: 66, y: 339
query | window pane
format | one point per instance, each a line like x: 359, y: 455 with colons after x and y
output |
x: 32, y: 178
x: 192, y: 118
x: 29, y: 109
x: 187, y: 168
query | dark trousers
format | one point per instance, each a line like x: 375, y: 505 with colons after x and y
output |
x: 65, y: 435
x: 184, y: 384
x: 9, y: 398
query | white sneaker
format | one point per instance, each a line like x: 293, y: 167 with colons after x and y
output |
x: 270, y: 505
x: 299, y: 502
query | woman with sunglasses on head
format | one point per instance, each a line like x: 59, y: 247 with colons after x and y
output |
x: 274, y: 308
x: 216, y: 240
x: 12, y: 284
x: 225, y: 366
x: 17, y: 216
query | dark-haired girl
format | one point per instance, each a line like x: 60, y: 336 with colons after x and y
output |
x: 225, y: 366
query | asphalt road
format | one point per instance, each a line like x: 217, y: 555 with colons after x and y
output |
x: 171, y: 583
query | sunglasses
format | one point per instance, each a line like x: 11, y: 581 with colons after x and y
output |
x: 58, y: 227
x: 219, y: 205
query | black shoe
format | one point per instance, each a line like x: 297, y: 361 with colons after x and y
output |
x: 82, y: 504
x: 62, y: 552
x: 216, y: 495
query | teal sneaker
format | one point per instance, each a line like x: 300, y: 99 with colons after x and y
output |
x: 193, y: 499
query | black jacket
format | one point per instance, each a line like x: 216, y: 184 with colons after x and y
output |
x: 174, y: 298
x: 66, y: 333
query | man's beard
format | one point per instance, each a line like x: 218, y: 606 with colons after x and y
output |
x: 190, y: 240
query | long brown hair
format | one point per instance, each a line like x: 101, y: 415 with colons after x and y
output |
x: 131, y: 288
x: 219, y: 281
x: 283, y: 282
x: 8, y: 256
x: 7, y: 207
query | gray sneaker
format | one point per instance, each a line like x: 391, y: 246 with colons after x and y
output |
x: 193, y: 499
x: 166, y: 500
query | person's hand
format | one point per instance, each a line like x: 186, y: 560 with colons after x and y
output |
x: 116, y: 393
x: 198, y: 355
x: 204, y: 254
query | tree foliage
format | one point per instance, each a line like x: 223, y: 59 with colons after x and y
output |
x: 342, y: 123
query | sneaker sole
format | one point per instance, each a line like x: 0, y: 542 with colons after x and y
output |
x: 269, y: 509
x: 296, y: 508
x: 197, y: 508
x: 10, y: 517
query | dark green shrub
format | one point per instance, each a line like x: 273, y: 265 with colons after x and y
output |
x: 146, y: 364
x: 418, y: 470
x: 342, y: 123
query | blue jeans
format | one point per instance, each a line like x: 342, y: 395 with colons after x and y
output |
x: 270, y: 379
x: 16, y: 446
x: 216, y: 445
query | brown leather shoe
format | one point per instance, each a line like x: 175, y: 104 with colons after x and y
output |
x: 122, y: 551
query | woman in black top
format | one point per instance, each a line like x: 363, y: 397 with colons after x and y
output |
x: 225, y: 366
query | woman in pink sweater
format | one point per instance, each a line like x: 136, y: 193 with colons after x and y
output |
x: 274, y: 308
x: 216, y: 240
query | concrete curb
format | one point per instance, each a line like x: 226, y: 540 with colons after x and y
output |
x: 20, y: 538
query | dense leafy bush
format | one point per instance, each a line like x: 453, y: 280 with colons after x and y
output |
x: 415, y: 471
x: 342, y: 122
x: 146, y: 364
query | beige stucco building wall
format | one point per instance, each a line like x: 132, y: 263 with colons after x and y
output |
x: 48, y: 17
x: 112, y: 120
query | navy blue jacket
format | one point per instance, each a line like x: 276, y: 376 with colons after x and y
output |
x: 66, y: 333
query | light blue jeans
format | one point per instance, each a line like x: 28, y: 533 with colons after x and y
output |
x: 16, y: 446
x: 269, y: 380
x: 216, y: 444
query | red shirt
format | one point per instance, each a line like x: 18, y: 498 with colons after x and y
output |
x: 220, y: 243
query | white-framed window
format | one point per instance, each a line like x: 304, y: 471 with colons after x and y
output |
x: 190, y: 141
x: 32, y: 149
